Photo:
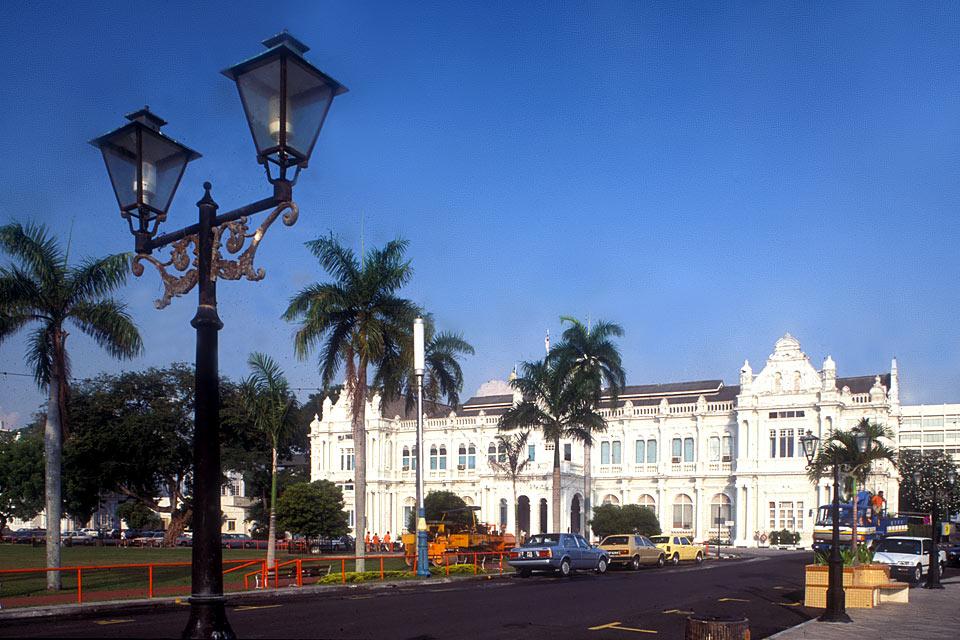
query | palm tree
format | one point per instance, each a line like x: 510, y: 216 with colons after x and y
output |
x: 357, y: 322
x: 267, y: 397
x: 591, y: 357
x: 41, y: 288
x: 841, y: 448
x: 556, y: 406
x: 513, y: 465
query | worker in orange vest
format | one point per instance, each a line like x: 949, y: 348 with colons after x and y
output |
x: 366, y: 541
x: 386, y: 541
x: 376, y: 541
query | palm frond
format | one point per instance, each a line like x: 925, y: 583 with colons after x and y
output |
x: 97, y: 277
x: 35, y: 249
x: 109, y: 324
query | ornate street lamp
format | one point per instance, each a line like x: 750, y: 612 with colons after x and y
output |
x: 933, y: 568
x: 286, y: 100
x: 836, y: 610
x: 419, y: 360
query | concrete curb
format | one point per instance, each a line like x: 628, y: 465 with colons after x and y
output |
x: 783, y: 633
x: 144, y: 604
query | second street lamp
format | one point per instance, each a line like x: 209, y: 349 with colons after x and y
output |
x: 933, y: 559
x: 281, y: 93
x: 419, y: 366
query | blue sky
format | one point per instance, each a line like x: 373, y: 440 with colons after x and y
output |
x: 709, y: 177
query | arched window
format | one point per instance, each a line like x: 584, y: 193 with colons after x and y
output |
x: 611, y: 499
x: 501, y: 453
x: 688, y: 454
x: 641, y: 452
x: 651, y: 451
x: 492, y: 452
x: 443, y: 457
x: 720, y: 509
x: 406, y: 459
x: 503, y: 514
x: 433, y: 457
x: 682, y: 512
x: 413, y: 458
x: 616, y: 454
x: 604, y: 453
x: 646, y: 501
x: 462, y: 457
x: 472, y: 456
x: 714, y: 448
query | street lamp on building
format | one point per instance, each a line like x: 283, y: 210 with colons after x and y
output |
x: 933, y: 568
x: 419, y: 366
x: 836, y: 610
x: 285, y: 99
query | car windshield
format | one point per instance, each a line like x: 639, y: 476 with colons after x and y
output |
x: 616, y: 540
x: 892, y: 545
x: 543, y: 540
x: 660, y: 539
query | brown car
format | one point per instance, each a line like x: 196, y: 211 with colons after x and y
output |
x: 633, y: 550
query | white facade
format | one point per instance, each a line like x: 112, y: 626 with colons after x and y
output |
x: 933, y: 427
x: 687, y: 450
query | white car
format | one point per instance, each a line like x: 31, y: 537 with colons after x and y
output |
x: 908, y: 557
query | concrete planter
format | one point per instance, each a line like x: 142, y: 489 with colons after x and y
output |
x: 871, y: 575
x: 861, y: 585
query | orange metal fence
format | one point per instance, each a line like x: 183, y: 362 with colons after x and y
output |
x: 119, y: 581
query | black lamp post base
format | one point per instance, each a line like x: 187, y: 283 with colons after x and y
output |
x: 208, y: 619
x: 834, y: 616
x: 933, y: 586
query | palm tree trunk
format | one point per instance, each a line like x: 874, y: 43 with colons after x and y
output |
x: 587, y: 447
x: 272, y: 527
x: 556, y: 485
x: 360, y: 462
x: 516, y: 510
x: 53, y: 450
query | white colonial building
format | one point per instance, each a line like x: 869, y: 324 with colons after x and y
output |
x: 690, y: 451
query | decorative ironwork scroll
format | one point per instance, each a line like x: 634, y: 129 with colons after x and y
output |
x: 237, y: 236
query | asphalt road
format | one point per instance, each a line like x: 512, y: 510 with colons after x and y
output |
x: 621, y: 604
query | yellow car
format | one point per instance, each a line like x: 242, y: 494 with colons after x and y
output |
x: 679, y: 548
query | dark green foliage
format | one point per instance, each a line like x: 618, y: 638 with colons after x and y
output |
x: 138, y: 516
x: 436, y: 503
x: 933, y: 466
x: 313, y: 509
x: 21, y: 474
x: 611, y: 519
x: 784, y: 537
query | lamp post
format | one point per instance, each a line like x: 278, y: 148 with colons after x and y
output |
x: 419, y: 358
x: 285, y: 100
x: 836, y: 610
x: 933, y: 568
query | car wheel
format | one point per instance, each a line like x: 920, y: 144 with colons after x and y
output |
x: 635, y: 563
x: 602, y: 566
x: 699, y: 558
x: 661, y: 561
x: 675, y: 560
x: 565, y: 568
x: 524, y: 573
x: 917, y: 573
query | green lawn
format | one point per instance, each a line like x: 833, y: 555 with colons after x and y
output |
x: 107, y: 584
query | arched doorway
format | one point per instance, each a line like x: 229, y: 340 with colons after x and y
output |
x: 543, y: 515
x: 575, y: 514
x: 523, y: 515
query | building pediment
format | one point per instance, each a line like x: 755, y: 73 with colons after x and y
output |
x: 787, y: 371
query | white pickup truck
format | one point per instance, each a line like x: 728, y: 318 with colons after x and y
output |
x: 908, y: 557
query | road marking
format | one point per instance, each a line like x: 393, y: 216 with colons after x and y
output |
x: 732, y: 600
x: 251, y: 607
x: 679, y: 612
x: 619, y: 627
x: 102, y: 622
x: 790, y: 604
x: 782, y: 588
